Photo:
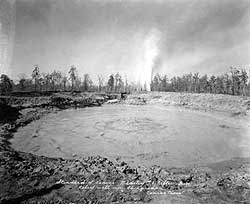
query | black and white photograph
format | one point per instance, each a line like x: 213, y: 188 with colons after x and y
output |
x: 125, y: 101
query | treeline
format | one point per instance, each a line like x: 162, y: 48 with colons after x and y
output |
x: 235, y: 82
x: 71, y: 81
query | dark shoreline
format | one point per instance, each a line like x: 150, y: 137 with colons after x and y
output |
x: 11, y: 108
x: 27, y: 178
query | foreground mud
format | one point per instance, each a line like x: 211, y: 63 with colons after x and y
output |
x: 26, y: 178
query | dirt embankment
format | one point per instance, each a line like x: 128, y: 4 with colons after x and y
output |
x: 26, y: 178
x: 59, y: 100
x: 236, y: 105
x: 16, y: 112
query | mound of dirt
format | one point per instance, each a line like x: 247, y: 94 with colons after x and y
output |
x: 135, y: 100
x: 236, y: 105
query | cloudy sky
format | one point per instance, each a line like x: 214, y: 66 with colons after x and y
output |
x: 131, y: 36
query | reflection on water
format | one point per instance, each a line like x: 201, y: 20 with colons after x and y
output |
x: 145, y: 135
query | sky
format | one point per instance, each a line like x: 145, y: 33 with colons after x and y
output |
x: 132, y: 37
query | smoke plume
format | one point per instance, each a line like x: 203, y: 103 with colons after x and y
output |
x: 7, y: 32
x: 151, y: 56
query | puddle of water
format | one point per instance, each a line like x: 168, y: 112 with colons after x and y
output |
x: 140, y: 135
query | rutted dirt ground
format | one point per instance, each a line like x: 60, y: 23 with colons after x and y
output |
x: 205, y: 101
x: 26, y: 178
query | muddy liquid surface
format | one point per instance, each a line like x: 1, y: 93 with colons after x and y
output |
x: 140, y: 135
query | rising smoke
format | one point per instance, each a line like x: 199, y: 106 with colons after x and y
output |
x: 151, y: 59
x: 7, y: 33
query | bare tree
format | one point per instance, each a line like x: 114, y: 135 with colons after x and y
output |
x: 22, y: 81
x: 243, y: 81
x: 100, y: 82
x: 35, y: 75
x: 72, y: 76
x: 5, y: 84
x: 86, y: 82
x: 111, y: 82
x: 196, y: 81
x: 64, y: 81
x: 56, y: 77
